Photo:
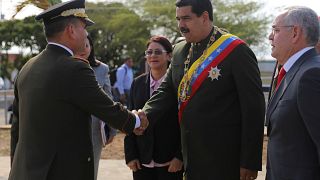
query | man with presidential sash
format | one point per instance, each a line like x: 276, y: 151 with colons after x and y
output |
x: 215, y: 82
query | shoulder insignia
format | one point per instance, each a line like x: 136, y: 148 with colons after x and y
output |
x: 81, y: 59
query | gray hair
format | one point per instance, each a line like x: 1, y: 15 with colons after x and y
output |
x: 307, y: 19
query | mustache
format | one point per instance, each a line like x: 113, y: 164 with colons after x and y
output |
x: 184, y: 30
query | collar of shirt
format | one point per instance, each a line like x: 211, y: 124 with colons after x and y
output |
x: 155, y: 84
x: 294, y: 58
x: 64, y: 47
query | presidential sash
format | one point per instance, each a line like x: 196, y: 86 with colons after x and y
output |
x: 205, y: 67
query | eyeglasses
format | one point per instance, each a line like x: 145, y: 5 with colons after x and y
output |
x: 149, y: 52
x: 276, y: 29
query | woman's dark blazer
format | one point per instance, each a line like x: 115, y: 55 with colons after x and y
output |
x: 161, y: 142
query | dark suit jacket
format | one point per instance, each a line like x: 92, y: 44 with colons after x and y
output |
x: 222, y: 126
x: 55, y: 95
x: 160, y: 143
x: 294, y: 121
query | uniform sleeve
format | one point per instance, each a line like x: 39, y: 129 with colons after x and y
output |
x: 87, y: 95
x: 162, y: 100
x: 15, y: 124
x: 246, y: 75
x: 131, y: 105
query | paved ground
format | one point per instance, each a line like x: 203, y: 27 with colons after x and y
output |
x: 109, y: 170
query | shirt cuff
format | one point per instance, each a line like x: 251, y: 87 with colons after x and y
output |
x: 137, y: 121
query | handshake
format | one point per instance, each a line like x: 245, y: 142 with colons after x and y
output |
x: 144, y: 122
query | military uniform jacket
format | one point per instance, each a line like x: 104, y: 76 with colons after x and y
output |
x: 55, y: 95
x: 222, y: 126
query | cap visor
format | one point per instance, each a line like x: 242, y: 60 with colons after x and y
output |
x: 88, y: 21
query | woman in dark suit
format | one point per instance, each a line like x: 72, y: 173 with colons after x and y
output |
x: 157, y: 154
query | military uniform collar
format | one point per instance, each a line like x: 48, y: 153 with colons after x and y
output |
x: 203, y: 43
x: 62, y: 46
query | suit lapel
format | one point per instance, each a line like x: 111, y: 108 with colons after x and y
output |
x: 286, y: 82
x: 147, y: 86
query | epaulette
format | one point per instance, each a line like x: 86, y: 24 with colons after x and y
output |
x: 81, y: 59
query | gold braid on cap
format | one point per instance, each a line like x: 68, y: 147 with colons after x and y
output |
x: 79, y: 12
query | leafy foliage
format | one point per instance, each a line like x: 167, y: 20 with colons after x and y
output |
x: 26, y: 34
x: 122, y: 30
x: 118, y: 32
x: 160, y: 15
x: 239, y: 17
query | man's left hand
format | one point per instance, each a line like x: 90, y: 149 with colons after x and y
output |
x: 246, y: 174
x: 175, y: 165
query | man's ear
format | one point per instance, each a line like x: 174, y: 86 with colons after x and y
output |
x: 205, y: 16
x: 169, y: 56
x: 70, y: 31
x: 297, y: 33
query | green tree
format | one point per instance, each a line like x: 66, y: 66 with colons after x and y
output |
x: 7, y: 33
x: 160, y: 15
x: 239, y: 17
x: 118, y: 32
x: 25, y: 34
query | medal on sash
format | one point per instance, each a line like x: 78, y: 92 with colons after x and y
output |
x: 204, y: 67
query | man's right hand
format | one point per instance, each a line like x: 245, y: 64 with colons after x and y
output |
x: 144, y: 122
x: 134, y: 165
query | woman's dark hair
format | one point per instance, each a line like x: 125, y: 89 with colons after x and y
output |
x: 161, y: 40
x: 198, y: 6
x: 92, y: 58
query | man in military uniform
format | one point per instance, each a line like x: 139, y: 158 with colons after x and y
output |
x: 215, y: 79
x: 55, y: 94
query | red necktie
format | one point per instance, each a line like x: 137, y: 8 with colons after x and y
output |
x: 280, y: 76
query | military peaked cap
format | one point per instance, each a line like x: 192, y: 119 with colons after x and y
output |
x: 74, y: 8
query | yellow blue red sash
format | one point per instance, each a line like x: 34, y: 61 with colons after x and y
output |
x: 198, y: 72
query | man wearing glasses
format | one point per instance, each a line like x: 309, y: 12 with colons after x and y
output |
x: 293, y: 111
